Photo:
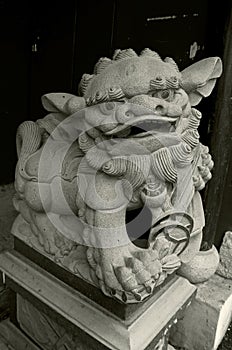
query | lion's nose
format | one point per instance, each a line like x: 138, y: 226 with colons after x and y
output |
x: 173, y: 110
x: 157, y: 105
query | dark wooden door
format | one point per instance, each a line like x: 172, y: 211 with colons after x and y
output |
x: 48, y: 45
x: 14, y: 73
x: 218, y: 195
x: 45, y: 47
x: 51, y: 44
x: 36, y: 57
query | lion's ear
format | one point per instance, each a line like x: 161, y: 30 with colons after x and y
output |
x: 199, y: 79
x: 62, y: 102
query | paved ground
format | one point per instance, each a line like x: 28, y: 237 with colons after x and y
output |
x: 7, y: 215
x: 4, y: 346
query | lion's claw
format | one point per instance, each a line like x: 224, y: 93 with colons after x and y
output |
x: 130, y: 275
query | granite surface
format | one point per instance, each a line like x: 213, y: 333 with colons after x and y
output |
x: 225, y: 266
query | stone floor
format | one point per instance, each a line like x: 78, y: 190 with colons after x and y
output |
x: 4, y: 346
x: 7, y: 215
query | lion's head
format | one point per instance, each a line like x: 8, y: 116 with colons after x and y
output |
x: 159, y: 95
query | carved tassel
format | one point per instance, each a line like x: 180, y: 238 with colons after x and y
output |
x: 181, y: 154
x: 137, y: 170
x: 28, y: 138
x: 163, y: 166
x: 191, y: 137
x: 195, y: 118
x: 28, y: 141
x: 115, y: 166
x: 134, y: 168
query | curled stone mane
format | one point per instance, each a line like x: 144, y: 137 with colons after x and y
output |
x: 112, y: 78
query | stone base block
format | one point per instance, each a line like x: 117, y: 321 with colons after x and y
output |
x: 12, y: 338
x: 225, y: 266
x: 113, y: 305
x: 52, y: 313
x: 206, y: 321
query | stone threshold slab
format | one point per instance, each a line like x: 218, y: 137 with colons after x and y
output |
x: 92, y: 318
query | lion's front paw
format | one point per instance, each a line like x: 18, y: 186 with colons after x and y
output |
x: 129, y: 273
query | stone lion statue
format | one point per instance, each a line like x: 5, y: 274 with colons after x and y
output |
x: 128, y: 141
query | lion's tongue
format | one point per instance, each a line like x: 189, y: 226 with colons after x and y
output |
x: 150, y: 126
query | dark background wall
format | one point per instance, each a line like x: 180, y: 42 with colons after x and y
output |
x: 47, y: 45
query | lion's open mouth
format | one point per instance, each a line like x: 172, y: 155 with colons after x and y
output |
x: 143, y: 126
x: 142, y: 129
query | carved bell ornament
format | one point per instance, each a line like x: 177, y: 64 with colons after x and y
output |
x: 128, y: 142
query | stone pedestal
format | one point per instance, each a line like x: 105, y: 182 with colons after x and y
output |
x: 53, y: 315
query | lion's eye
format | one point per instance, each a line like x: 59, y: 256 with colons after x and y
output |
x: 167, y: 94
